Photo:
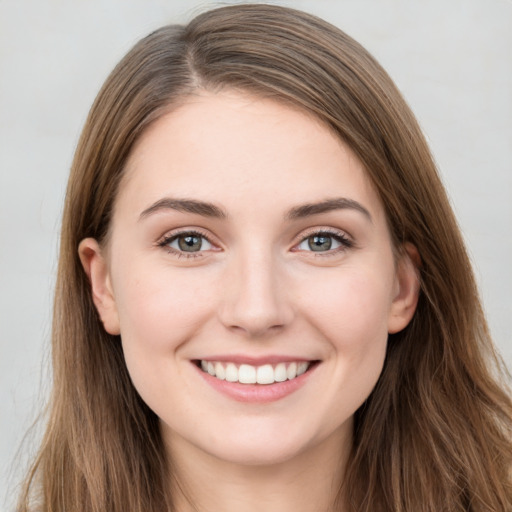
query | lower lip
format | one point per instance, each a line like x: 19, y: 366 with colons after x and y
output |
x: 257, y: 393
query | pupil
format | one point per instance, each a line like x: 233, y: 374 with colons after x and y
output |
x: 319, y: 243
x: 190, y: 243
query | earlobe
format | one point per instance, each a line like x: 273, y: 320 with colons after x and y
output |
x: 408, y: 289
x: 96, y: 268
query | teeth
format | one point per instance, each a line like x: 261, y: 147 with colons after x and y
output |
x: 265, y: 374
x: 220, y: 373
x: 280, y: 373
x: 248, y: 374
x: 291, y: 371
x: 301, y: 368
x: 231, y: 373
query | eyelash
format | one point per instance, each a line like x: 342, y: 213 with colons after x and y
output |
x: 339, y: 236
x: 168, y: 239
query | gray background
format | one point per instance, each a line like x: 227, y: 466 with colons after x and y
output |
x: 452, y: 59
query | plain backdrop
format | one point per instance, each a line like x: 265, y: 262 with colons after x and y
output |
x: 451, y: 59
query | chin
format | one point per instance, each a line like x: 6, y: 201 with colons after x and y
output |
x: 258, y: 453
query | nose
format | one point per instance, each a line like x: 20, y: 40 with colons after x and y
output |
x: 254, y: 299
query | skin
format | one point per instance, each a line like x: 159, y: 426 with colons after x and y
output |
x: 255, y: 289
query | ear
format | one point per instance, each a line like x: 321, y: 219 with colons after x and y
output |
x: 407, y: 289
x: 96, y: 268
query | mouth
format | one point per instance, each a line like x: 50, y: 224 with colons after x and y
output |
x: 265, y: 374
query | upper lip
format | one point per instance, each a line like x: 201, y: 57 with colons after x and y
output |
x: 255, y: 361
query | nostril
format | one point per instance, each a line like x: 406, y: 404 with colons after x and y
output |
x: 257, y: 330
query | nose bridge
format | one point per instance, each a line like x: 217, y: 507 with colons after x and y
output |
x: 254, y: 299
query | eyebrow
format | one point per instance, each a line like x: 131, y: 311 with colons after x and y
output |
x: 338, y: 203
x: 211, y: 210
x: 185, y: 205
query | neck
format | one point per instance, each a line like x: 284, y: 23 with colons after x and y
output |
x: 308, y: 482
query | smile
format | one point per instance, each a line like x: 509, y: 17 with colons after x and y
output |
x: 249, y: 374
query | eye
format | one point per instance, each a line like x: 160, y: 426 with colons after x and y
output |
x: 186, y: 242
x: 324, y: 241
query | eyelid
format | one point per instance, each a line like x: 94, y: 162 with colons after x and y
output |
x: 343, y: 237
x: 172, y: 235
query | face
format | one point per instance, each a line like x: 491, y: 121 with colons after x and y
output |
x: 251, y: 276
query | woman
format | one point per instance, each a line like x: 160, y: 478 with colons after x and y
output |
x: 263, y: 299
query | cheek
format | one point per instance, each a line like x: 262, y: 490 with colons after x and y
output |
x: 159, y: 309
x: 351, y: 307
x: 350, y: 312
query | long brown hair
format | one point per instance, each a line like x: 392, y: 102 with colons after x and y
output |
x: 434, y: 435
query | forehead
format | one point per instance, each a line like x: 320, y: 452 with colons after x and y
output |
x: 237, y: 148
